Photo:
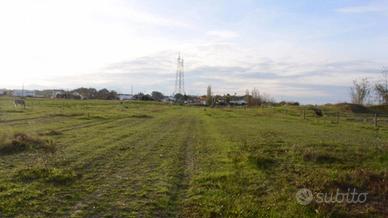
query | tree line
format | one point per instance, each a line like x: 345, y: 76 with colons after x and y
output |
x: 88, y: 93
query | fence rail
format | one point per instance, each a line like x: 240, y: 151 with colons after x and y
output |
x: 373, y: 119
x: 376, y: 119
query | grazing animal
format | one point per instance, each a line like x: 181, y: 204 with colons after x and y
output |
x: 20, y: 102
x: 318, y: 112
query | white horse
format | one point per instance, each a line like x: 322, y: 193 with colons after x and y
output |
x: 20, y: 102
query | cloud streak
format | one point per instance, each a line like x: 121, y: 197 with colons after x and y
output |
x: 374, y: 7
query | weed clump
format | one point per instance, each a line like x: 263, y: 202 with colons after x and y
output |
x: 51, y: 175
x: 21, y: 142
x: 67, y: 115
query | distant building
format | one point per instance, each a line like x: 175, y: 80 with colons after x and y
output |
x: 76, y: 95
x: 23, y: 93
x: 168, y: 99
x: 196, y: 100
x: 238, y: 102
x: 57, y: 93
x: 2, y: 92
x: 123, y: 97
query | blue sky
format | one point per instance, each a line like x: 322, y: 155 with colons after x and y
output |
x: 308, y: 51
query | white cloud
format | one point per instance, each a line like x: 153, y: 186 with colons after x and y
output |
x: 376, y: 7
x: 223, y: 34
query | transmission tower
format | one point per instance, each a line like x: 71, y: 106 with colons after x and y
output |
x: 180, y: 77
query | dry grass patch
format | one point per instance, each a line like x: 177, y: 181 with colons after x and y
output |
x: 20, y: 142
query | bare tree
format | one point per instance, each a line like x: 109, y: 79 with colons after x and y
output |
x: 360, y: 91
x: 381, y: 87
x: 267, y: 99
x: 248, y: 98
x: 257, y: 98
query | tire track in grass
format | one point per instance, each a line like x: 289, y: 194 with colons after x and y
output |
x: 125, y: 164
x: 179, y: 191
x: 97, y: 145
x: 145, y: 167
x: 115, y: 172
x: 23, y: 120
x: 74, y: 149
x: 165, y: 177
x: 212, y: 183
x: 93, y: 123
x: 41, y: 123
x: 152, y: 192
x: 107, y: 162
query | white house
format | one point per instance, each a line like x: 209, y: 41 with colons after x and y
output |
x: 238, y: 102
x: 23, y: 93
x: 125, y: 97
x: 57, y: 93
x: 78, y: 95
x: 169, y: 99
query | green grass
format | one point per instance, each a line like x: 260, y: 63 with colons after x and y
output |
x: 140, y: 159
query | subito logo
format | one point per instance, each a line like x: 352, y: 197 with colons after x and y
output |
x: 304, y: 196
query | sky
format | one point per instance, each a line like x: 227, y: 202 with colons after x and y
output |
x: 299, y: 50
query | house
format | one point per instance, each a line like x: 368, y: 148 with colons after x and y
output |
x: 123, y: 97
x: 196, y: 100
x: 2, y: 92
x: 203, y: 100
x: 168, y: 99
x: 238, y: 102
x: 76, y: 95
x: 57, y: 93
x: 23, y: 93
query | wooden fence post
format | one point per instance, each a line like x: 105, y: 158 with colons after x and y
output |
x: 375, y: 120
x: 338, y: 117
x: 304, y: 114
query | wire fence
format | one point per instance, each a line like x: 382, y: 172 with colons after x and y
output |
x: 373, y: 119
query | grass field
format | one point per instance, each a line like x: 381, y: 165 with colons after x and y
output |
x: 109, y: 159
